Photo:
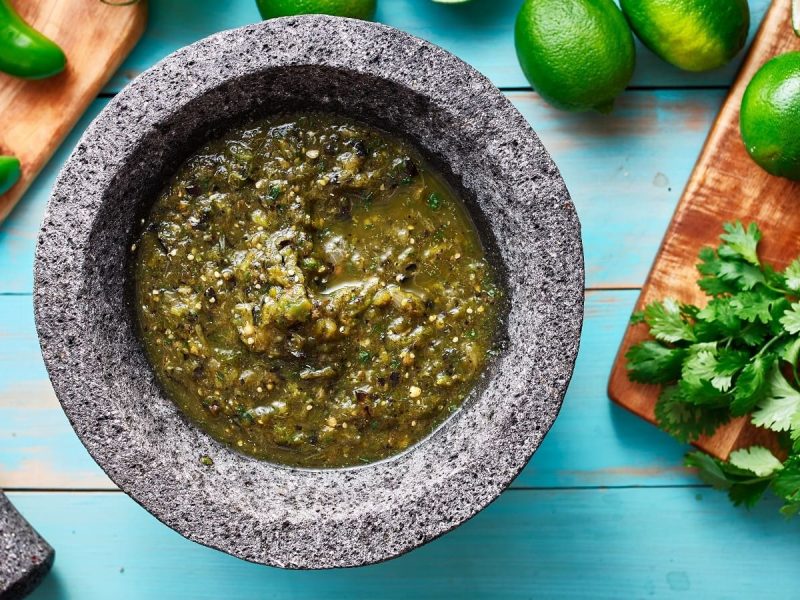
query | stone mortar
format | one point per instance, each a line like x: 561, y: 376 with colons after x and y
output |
x: 255, y: 510
x: 25, y: 558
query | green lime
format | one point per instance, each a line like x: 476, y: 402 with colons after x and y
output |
x: 770, y: 117
x: 355, y: 9
x: 577, y: 54
x: 695, y: 35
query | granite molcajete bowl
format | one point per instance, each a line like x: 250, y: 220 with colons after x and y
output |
x: 253, y: 509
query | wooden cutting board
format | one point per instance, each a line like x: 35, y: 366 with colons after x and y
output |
x: 726, y: 185
x: 35, y: 116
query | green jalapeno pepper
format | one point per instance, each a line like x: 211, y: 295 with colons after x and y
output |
x: 9, y: 172
x: 24, y: 52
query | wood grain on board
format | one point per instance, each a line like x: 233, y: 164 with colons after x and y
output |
x: 726, y: 185
x: 35, y: 116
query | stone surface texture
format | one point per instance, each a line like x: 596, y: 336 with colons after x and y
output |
x: 255, y: 510
x: 25, y: 558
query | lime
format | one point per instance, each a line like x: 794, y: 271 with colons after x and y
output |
x: 355, y: 9
x: 770, y: 117
x: 695, y: 35
x: 577, y: 54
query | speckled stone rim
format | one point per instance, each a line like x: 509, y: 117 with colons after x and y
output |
x: 251, y: 509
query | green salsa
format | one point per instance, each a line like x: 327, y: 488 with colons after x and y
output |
x: 311, y: 293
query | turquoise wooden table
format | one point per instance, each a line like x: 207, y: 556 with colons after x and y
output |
x: 604, y: 509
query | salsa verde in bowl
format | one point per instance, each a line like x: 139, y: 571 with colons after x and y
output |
x: 454, y: 124
x: 309, y: 291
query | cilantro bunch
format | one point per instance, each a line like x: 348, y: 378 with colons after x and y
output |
x: 736, y: 356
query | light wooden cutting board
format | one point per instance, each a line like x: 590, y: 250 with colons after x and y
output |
x: 35, y: 116
x: 726, y: 185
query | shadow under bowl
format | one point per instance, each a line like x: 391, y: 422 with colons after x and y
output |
x: 261, y: 512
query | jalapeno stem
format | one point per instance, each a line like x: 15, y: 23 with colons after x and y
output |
x: 9, y: 172
x: 24, y: 52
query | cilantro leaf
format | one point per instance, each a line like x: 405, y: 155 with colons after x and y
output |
x: 775, y: 282
x: 794, y: 429
x: 754, y: 334
x: 753, y: 306
x: 701, y: 362
x: 689, y: 311
x: 792, y: 275
x: 780, y: 405
x: 787, y: 485
x: 637, y: 317
x: 709, y: 262
x: 790, y: 350
x: 703, y: 379
x: 684, y: 421
x: 667, y: 323
x: 751, y: 385
x: 709, y: 267
x: 742, y: 486
x: 709, y: 469
x: 729, y: 363
x: 748, y: 493
x: 779, y: 307
x: 651, y: 362
x: 790, y: 509
x: 717, y: 319
x: 740, y: 242
x: 791, y: 319
x: 716, y: 286
x: 702, y: 393
x: 743, y: 275
x: 756, y: 459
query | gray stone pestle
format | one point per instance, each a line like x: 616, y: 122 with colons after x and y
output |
x: 25, y: 558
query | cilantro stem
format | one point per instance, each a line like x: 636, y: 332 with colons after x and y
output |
x: 769, y: 343
x: 776, y: 290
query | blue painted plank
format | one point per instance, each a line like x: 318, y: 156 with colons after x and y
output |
x: 625, y: 172
x: 630, y: 543
x: 38, y: 448
x: 593, y: 442
x: 18, y: 232
x: 480, y: 32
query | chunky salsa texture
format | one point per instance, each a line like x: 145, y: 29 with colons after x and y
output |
x: 311, y: 293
